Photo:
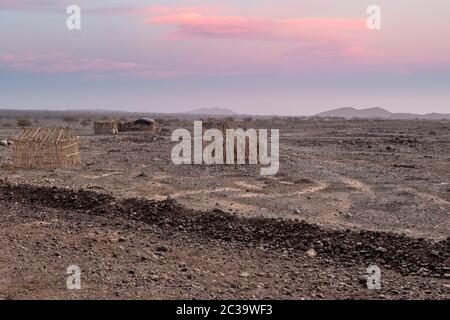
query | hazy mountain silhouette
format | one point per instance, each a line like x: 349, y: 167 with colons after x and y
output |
x: 349, y: 113
x: 213, y: 112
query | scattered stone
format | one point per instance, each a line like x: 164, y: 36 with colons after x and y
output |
x: 348, y: 215
x: 154, y: 277
x: 311, y: 253
x: 404, y: 254
x: 447, y: 262
x: 162, y: 248
x: 381, y: 249
x: 435, y: 253
x: 363, y: 279
x: 423, y: 271
x: 141, y: 175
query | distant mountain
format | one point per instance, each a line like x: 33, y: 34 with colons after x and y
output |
x: 429, y: 116
x: 356, y: 113
x: 349, y: 113
x: 213, y: 112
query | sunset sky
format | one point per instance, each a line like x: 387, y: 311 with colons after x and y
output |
x: 293, y: 57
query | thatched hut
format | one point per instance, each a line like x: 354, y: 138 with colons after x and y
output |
x: 46, y: 148
x: 143, y: 124
x: 106, y: 127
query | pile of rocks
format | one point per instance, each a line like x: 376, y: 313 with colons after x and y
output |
x: 5, y: 143
x: 399, y: 252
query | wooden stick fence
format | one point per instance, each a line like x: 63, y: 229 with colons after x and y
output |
x: 46, y: 148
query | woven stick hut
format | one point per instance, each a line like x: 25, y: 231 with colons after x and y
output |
x: 106, y: 127
x: 46, y: 148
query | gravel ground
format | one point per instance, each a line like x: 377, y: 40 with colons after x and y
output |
x: 135, y: 248
x: 356, y: 192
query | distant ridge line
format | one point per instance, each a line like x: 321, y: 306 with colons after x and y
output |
x: 379, y: 113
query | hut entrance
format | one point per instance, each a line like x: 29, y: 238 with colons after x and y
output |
x: 46, y: 148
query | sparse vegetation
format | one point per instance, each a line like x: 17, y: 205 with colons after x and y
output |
x: 86, y: 122
x: 23, y: 122
x: 69, y: 120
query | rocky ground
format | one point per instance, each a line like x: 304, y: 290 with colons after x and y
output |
x: 135, y: 248
x: 349, y: 194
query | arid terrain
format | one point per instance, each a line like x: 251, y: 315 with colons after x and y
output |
x: 357, y: 192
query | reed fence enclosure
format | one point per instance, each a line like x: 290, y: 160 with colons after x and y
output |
x: 223, y: 126
x: 106, y: 127
x: 46, y: 148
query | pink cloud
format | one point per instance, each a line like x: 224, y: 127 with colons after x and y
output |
x: 194, y: 24
x: 59, y: 63
x: 314, y: 41
x: 308, y: 43
x: 62, y: 64
x: 151, y: 10
x: 28, y: 4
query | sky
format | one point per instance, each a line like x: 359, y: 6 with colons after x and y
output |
x: 287, y: 57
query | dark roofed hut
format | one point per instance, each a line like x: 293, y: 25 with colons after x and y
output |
x: 142, y: 124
